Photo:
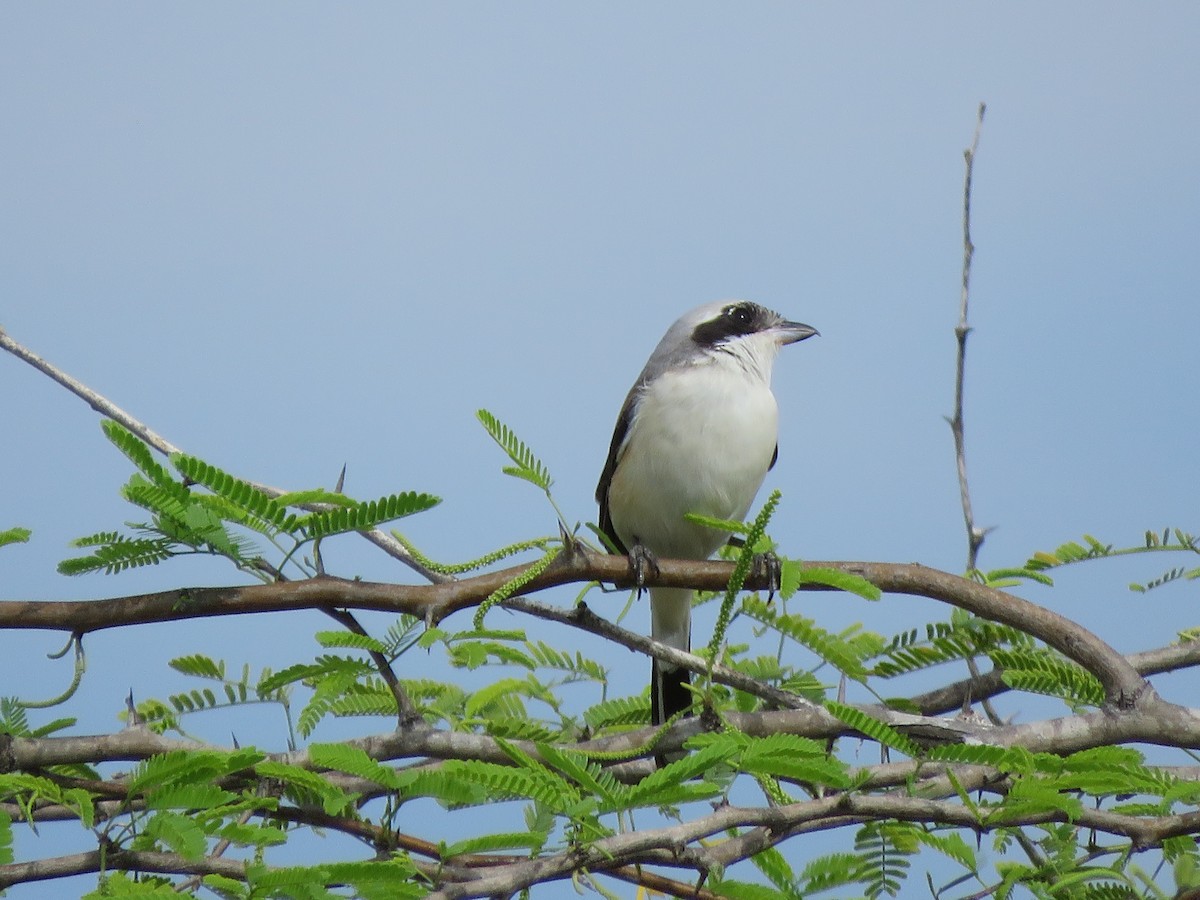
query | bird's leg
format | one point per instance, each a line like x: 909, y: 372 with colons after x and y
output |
x: 767, y: 566
x: 641, y: 560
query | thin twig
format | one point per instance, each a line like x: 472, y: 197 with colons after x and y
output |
x: 405, y: 709
x: 975, y: 534
x: 110, y: 410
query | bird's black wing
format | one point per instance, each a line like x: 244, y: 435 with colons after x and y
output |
x: 774, y: 457
x: 610, y: 466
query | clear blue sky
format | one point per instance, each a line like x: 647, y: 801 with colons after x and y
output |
x: 294, y: 236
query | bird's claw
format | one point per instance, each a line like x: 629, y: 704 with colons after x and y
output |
x: 766, y: 566
x: 641, y: 560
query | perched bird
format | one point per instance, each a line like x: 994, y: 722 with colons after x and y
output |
x: 697, y: 434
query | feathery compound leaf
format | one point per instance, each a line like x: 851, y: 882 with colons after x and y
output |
x: 775, y: 867
x: 199, y: 666
x: 117, y: 554
x: 831, y: 648
x: 790, y: 756
x: 189, y: 767
x: 795, y: 574
x: 873, y: 728
x: 586, y: 774
x: 505, y: 782
x: 365, y: 516
x: 528, y: 467
x: 252, y: 502
x: 1166, y: 578
x: 14, y: 536
x: 316, y: 495
x: 622, y: 712
x: 304, y: 786
x: 665, y: 786
x: 353, y: 761
x: 490, y: 843
x: 944, y: 642
x: 136, y: 450
x: 1043, y: 672
x: 178, y: 832
x: 349, y: 640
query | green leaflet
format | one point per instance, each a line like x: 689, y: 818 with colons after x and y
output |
x: 209, y: 510
x: 873, y: 728
x: 15, y: 535
x: 841, y: 654
x: 244, y: 496
x: 178, y: 832
x: 775, y: 867
x: 527, y: 466
x: 116, y: 553
x: 303, y: 786
x: 136, y: 450
x: 795, y: 574
x: 1043, y: 671
x: 365, y: 516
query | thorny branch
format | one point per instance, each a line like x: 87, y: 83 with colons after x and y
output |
x: 975, y: 534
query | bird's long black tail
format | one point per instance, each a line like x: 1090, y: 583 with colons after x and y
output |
x: 669, y: 692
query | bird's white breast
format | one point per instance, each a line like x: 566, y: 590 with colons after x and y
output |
x: 701, y: 441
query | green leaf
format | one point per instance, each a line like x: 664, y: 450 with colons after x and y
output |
x: 490, y: 843
x: 365, y: 516
x: 829, y: 647
x: 304, y: 786
x: 15, y: 535
x: 117, y: 554
x: 528, y: 467
x: 792, y: 757
x: 199, y: 666
x: 662, y: 786
x: 796, y: 573
x: 249, y: 500
x: 6, y: 839
x: 178, y: 832
x: 775, y: 867
x: 350, y: 640
x: 188, y: 796
x: 136, y: 450
x: 353, y: 761
x: 873, y: 728
x: 1043, y: 672
x: 189, y: 766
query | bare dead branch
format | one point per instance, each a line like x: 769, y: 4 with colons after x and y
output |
x: 975, y: 534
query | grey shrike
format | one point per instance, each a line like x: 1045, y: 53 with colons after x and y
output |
x: 697, y: 434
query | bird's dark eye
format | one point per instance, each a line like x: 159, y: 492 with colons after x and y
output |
x: 740, y: 314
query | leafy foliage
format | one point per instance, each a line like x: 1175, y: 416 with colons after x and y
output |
x: 188, y: 521
x: 525, y: 466
x: 521, y: 757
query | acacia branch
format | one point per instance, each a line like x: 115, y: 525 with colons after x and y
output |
x: 110, y: 410
x: 433, y: 602
x: 131, y: 860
